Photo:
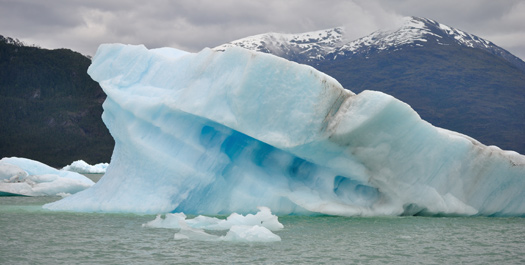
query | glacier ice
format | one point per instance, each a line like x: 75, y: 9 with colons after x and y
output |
x: 221, y: 132
x: 22, y: 176
x: 80, y: 166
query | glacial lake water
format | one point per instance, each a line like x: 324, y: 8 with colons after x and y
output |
x: 32, y: 235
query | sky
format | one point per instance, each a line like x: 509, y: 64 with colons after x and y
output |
x: 192, y: 25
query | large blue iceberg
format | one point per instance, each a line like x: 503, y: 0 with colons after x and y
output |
x: 221, y: 132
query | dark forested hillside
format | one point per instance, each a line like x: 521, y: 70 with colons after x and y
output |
x: 50, y: 109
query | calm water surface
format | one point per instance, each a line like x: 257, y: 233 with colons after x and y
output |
x: 31, y: 235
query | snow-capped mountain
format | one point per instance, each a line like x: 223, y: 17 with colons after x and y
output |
x: 304, y: 47
x: 330, y: 44
x: 417, y: 31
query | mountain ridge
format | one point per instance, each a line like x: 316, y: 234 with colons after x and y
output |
x: 312, y: 45
x: 331, y: 44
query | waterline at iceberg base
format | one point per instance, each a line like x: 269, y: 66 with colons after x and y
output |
x: 222, y: 132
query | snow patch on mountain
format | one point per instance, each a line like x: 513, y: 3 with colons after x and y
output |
x: 331, y: 44
x: 309, y: 46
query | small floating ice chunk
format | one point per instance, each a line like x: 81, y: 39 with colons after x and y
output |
x: 247, y: 233
x: 80, y: 166
x: 250, y: 228
x: 171, y: 220
x: 237, y: 233
x: 263, y: 218
x: 187, y: 232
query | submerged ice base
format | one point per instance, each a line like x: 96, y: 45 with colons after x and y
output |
x: 223, y: 132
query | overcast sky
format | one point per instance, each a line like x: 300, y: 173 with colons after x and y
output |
x: 194, y: 24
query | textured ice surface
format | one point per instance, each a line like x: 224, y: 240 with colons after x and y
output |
x: 222, y: 132
x: 21, y: 176
x: 80, y: 166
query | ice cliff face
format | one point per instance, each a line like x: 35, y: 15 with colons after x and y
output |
x: 221, y: 132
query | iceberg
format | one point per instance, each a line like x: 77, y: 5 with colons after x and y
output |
x: 222, y: 132
x: 80, y: 166
x: 26, y: 177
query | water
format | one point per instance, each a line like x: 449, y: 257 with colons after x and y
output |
x: 31, y: 235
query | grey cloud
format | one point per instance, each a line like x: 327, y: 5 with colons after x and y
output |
x: 30, y: 18
x: 195, y: 24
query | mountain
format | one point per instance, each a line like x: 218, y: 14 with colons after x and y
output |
x: 304, y: 48
x: 453, y: 79
x: 50, y: 107
x: 329, y: 44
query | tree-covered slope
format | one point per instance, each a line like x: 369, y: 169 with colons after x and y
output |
x: 50, y: 108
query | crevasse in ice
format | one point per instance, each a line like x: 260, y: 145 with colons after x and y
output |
x: 222, y: 132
